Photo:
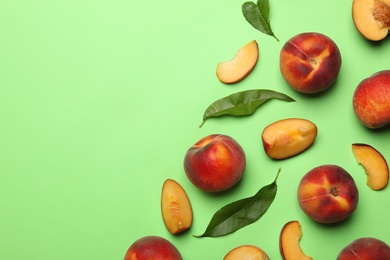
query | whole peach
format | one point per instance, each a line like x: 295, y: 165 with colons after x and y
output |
x: 215, y: 163
x: 365, y: 248
x: 152, y: 247
x: 328, y: 194
x: 371, y: 100
x: 310, y: 62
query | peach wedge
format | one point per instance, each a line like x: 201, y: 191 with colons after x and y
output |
x: 289, y: 242
x: 372, y: 18
x: 374, y: 164
x: 288, y: 137
x: 248, y: 252
x: 175, y: 207
x: 240, y: 66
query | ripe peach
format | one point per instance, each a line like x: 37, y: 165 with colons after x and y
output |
x: 240, y: 66
x: 365, y: 248
x: 152, y: 247
x: 248, y: 252
x: 328, y: 194
x: 371, y: 100
x: 288, y: 137
x: 372, y: 18
x: 215, y: 163
x: 289, y: 238
x: 310, y: 62
x: 176, y: 208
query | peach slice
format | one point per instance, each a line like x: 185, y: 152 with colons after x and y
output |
x: 288, y: 137
x: 374, y: 164
x: 175, y: 207
x: 240, y: 66
x: 248, y: 252
x: 289, y: 242
x: 372, y: 18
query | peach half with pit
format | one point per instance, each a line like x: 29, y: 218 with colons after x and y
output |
x: 310, y: 62
x: 374, y: 164
x: 371, y: 100
x: 288, y: 137
x: 152, y: 247
x: 240, y: 66
x: 215, y: 163
x: 328, y: 194
x: 372, y: 18
x: 365, y: 248
x: 176, y: 208
x: 248, y: 252
x: 289, y: 238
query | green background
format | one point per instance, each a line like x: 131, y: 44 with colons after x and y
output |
x: 100, y: 100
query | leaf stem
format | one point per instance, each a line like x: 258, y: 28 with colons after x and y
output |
x: 277, y: 174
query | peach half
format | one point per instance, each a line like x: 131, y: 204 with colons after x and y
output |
x: 240, y: 66
x: 374, y: 164
x: 175, y: 207
x: 372, y: 18
x: 288, y: 137
x: 289, y: 238
x: 247, y: 252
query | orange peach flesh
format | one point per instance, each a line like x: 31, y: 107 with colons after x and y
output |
x: 372, y: 18
x: 240, y: 66
x: 374, y: 164
x: 289, y: 242
x: 288, y: 137
x: 175, y: 207
x: 247, y: 252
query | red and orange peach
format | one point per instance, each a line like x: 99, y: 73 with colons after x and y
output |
x: 328, y: 194
x: 152, y: 247
x: 310, y: 62
x: 215, y: 163
x: 371, y: 100
x: 365, y: 248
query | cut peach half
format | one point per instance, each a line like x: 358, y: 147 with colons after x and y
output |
x: 288, y: 137
x: 247, y: 252
x: 372, y: 18
x: 240, y: 66
x: 175, y: 207
x: 289, y: 242
x: 374, y: 164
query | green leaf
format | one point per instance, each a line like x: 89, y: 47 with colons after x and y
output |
x: 242, y: 103
x: 241, y: 213
x: 258, y: 16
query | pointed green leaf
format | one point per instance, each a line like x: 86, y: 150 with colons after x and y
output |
x: 241, y: 213
x: 258, y: 16
x: 242, y: 103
